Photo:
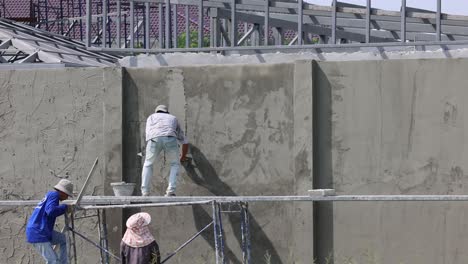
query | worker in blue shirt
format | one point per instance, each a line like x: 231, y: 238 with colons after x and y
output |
x: 40, y: 228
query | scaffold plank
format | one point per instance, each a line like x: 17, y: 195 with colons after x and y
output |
x: 169, y: 201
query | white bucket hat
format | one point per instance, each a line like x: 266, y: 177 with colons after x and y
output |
x: 161, y: 108
x: 65, y: 186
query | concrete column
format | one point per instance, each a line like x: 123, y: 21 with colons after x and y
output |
x: 112, y: 148
x: 303, y: 159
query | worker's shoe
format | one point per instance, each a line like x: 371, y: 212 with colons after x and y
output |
x: 169, y: 194
x: 145, y: 194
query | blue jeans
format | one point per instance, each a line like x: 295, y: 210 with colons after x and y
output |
x: 153, y: 149
x: 47, y: 251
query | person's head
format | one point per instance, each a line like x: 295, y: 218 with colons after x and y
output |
x: 138, y: 233
x: 161, y: 109
x: 65, y: 189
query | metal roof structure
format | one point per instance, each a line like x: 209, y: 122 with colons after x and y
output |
x: 161, y: 26
x: 261, y: 25
x: 25, y: 46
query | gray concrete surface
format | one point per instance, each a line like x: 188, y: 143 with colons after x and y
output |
x: 360, y: 127
x: 393, y: 127
x: 53, y: 124
x: 344, y: 54
x: 240, y: 124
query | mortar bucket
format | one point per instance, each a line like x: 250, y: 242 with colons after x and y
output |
x: 123, y: 188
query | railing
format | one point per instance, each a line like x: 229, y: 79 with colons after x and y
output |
x: 154, y: 26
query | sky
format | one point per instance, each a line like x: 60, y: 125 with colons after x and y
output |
x: 454, y: 7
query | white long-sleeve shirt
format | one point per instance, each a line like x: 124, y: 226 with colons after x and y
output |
x: 164, y: 125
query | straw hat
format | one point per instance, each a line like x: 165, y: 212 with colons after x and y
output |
x: 65, y: 186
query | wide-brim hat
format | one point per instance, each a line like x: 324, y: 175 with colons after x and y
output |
x: 65, y: 186
x: 139, y: 220
x: 161, y: 108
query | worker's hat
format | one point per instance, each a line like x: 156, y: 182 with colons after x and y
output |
x: 65, y: 186
x: 138, y: 233
x: 161, y: 108
x: 139, y: 220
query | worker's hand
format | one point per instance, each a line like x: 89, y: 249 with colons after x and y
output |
x: 183, y: 159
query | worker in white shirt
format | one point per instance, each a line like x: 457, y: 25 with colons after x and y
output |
x: 162, y: 133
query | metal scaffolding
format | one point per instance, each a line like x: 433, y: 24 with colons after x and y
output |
x: 219, y: 204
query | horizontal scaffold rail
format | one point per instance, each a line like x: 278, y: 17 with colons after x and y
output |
x: 102, y: 202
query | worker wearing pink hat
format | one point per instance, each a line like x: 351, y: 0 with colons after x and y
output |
x: 138, y: 246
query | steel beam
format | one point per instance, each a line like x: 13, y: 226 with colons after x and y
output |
x: 292, y: 24
x: 132, y: 25
x: 200, y: 23
x: 30, y: 58
x: 289, y: 7
x: 226, y: 40
x: 187, y: 26
x: 245, y: 36
x: 300, y: 21
x: 351, y: 46
x: 233, y: 32
x: 221, y: 234
x: 88, y: 23
x: 403, y: 21
x: 390, y: 26
x: 169, y: 201
x: 215, y: 231
x: 267, y: 22
x: 216, y: 31
x: 368, y: 20
x: 118, y: 23
x: 377, y: 15
x: 104, y: 23
x: 160, y: 26
x: 333, y: 23
x: 174, y: 26
x: 278, y: 35
x: 95, y: 207
x: 395, y: 36
x: 167, y: 24
x: 438, y: 18
x: 93, y: 243
x: 85, y: 185
x: 186, y: 243
x: 5, y: 44
x: 147, y: 26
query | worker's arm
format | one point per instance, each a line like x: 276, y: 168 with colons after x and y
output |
x: 52, y: 207
x: 183, y: 156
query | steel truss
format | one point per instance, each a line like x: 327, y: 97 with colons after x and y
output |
x: 158, y: 26
x: 271, y: 25
x: 21, y: 44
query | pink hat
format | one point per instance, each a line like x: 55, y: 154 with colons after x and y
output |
x: 138, y: 233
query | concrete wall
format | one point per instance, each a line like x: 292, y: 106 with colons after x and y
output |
x: 240, y: 121
x: 53, y: 124
x: 240, y: 124
x: 392, y: 127
x: 374, y: 127
x: 291, y: 56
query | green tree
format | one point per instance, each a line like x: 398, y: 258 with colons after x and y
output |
x: 193, y: 40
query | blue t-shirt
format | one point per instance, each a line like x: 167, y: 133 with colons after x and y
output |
x: 42, y: 221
